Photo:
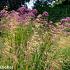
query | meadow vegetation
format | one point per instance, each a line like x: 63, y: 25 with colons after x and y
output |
x: 30, y: 42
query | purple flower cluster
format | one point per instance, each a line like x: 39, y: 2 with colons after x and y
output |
x: 23, y: 10
x: 30, y: 14
x: 45, y: 14
x: 67, y: 19
x: 3, y: 13
x: 22, y: 14
x: 25, y: 13
x: 34, y: 11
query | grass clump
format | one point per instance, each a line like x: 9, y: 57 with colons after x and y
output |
x: 35, y: 47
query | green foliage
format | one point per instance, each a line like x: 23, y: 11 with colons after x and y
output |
x: 12, y: 4
x: 22, y: 34
x: 62, y: 8
x: 59, y: 1
x: 66, y: 65
x: 67, y: 29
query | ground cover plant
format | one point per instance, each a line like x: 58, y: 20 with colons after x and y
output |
x: 29, y: 41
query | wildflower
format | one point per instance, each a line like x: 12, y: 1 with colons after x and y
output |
x: 68, y: 19
x: 22, y: 10
x: 45, y: 14
x: 34, y: 11
x: 14, y: 15
x: 63, y: 20
x: 31, y: 14
x: 3, y: 13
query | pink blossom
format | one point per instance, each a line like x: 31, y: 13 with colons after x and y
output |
x: 14, y: 15
x: 45, y: 14
x: 68, y: 19
x: 3, y: 13
x: 63, y: 20
x: 34, y: 11
x: 22, y: 10
x: 31, y: 14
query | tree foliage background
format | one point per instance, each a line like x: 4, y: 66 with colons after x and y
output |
x: 12, y: 4
x: 57, y: 10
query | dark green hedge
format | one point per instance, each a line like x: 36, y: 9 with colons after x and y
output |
x: 55, y: 13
